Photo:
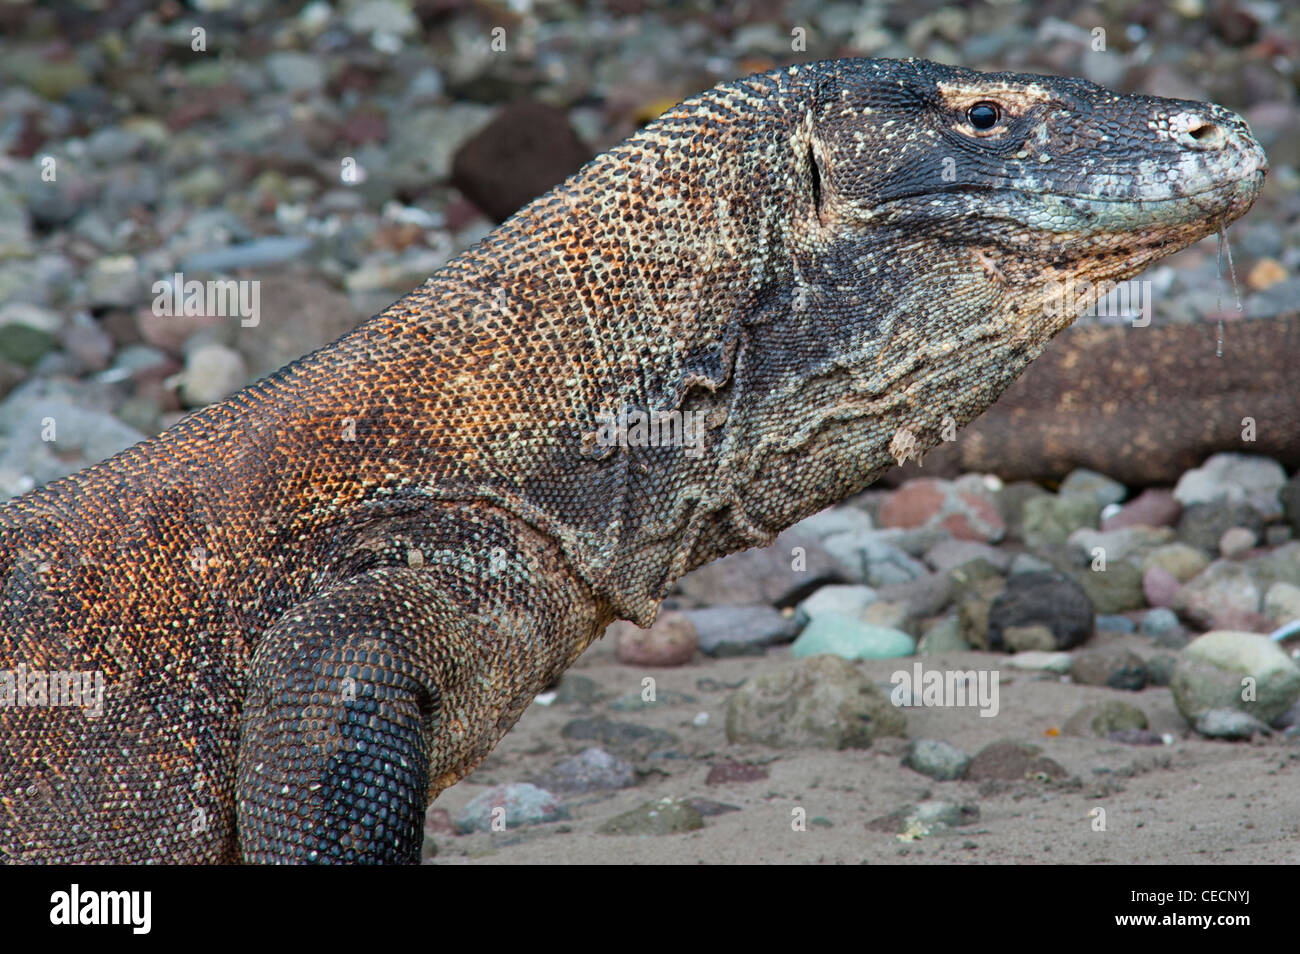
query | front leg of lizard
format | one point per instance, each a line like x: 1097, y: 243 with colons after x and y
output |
x: 371, y: 697
x: 729, y: 322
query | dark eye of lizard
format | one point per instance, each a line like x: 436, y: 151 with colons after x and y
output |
x: 984, y: 115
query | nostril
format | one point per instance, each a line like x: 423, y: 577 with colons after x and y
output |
x: 1205, y: 133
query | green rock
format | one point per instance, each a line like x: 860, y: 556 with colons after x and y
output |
x: 942, y: 637
x: 1049, y: 520
x: 23, y: 344
x: 668, y: 816
x: 1214, y: 672
x: 1115, y: 589
x: 1102, y: 718
x: 839, y: 635
x: 822, y: 702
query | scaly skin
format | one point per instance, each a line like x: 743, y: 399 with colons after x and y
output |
x: 319, y: 603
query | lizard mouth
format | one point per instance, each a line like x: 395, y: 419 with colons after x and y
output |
x: 1018, y: 213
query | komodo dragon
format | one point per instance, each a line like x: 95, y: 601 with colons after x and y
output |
x: 317, y: 604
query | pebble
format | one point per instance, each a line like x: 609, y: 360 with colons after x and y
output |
x: 943, y: 636
x: 1203, y: 525
x: 964, y: 508
x: 626, y: 739
x: 848, y: 599
x: 939, y: 760
x: 1049, y: 520
x: 1089, y: 483
x: 259, y: 253
x: 1212, y: 673
x: 527, y: 148
x: 523, y: 804
x: 1282, y: 603
x: 1044, y: 599
x: 212, y: 373
x: 731, y: 772
x: 1231, y: 724
x: 1116, y: 589
x: 849, y: 638
x: 1151, y: 508
x: 1236, y: 541
x: 1159, y: 621
x: 740, y: 630
x: 667, y: 816
x: 822, y: 702
x: 777, y: 575
x: 1012, y: 762
x: 949, y: 554
x: 1035, y: 661
x: 1100, y: 719
x: 671, y: 640
x: 591, y: 770
x: 1113, y: 667
x: 1179, y: 560
x: 1226, y: 592
x: 1234, y: 478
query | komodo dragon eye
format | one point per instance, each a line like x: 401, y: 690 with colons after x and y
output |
x: 984, y: 115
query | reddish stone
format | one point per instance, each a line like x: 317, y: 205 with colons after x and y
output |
x: 913, y: 505
x: 725, y: 773
x: 1159, y: 586
x: 670, y: 641
x: 1151, y: 508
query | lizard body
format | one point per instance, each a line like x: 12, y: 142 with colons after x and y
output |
x: 319, y: 603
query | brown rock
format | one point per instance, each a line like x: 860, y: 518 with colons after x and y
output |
x: 670, y: 641
x: 526, y: 150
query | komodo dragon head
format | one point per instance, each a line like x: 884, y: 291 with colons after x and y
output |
x: 821, y: 269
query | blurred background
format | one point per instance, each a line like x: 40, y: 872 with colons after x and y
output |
x: 341, y: 152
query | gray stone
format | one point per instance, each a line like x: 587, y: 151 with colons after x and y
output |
x: 1231, y: 724
x: 295, y: 72
x: 1160, y: 668
x: 1100, y: 719
x: 1218, y: 669
x: 948, y: 554
x: 1092, y: 484
x: 212, y: 373
x: 259, y: 253
x: 1236, y: 541
x: 848, y: 599
x: 1202, y: 525
x: 939, y: 760
x: 740, y: 630
x: 1160, y: 621
x: 822, y: 702
x: 591, y: 770
x: 783, y: 573
x: 1234, y: 478
x: 1035, y: 661
x: 1282, y: 603
x: 1122, y: 544
x: 523, y: 804
x: 1013, y: 762
x: 1113, y: 667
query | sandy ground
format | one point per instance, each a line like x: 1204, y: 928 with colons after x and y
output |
x: 1192, y: 802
